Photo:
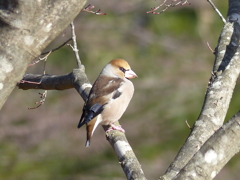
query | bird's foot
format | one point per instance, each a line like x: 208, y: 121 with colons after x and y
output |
x: 114, y: 127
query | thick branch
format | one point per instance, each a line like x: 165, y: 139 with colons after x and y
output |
x: 46, y: 82
x: 215, y: 153
x: 26, y: 28
x: 218, y: 95
x: 76, y: 79
x: 125, y: 154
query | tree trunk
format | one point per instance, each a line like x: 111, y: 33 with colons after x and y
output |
x: 26, y: 28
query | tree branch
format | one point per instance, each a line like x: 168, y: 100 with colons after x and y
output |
x: 44, y: 53
x: 78, y: 80
x: 21, y: 40
x: 219, y: 93
x: 74, y: 47
x: 125, y: 154
x: 215, y: 153
x: 218, y: 12
x: 117, y: 139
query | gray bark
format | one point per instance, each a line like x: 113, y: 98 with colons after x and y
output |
x: 26, y: 28
x: 215, y: 153
x: 226, y: 70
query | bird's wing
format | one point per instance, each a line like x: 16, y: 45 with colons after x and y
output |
x: 89, y: 114
x: 103, y: 91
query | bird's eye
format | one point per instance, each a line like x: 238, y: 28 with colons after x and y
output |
x: 122, y: 69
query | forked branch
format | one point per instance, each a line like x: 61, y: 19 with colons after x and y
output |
x: 79, y: 80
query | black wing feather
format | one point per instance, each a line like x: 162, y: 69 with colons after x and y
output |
x: 116, y: 94
x: 88, y: 115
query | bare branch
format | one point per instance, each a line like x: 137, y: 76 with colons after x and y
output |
x: 88, y: 9
x: 41, y: 102
x: 174, y: 3
x: 125, y: 154
x: 74, y: 47
x: 215, y: 153
x: 78, y: 80
x: 40, y: 59
x: 46, y: 82
x: 218, y: 12
x: 117, y: 139
x: 188, y: 124
x: 219, y: 93
x: 37, y: 26
x: 210, y: 48
x: 44, y: 53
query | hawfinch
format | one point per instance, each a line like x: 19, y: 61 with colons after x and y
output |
x: 108, y: 98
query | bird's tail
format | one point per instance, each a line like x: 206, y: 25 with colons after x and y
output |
x: 87, y: 143
x: 91, y: 126
x: 90, y: 130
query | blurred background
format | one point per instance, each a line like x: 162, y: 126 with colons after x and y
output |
x: 169, y: 53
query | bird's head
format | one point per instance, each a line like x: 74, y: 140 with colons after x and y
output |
x: 119, y: 68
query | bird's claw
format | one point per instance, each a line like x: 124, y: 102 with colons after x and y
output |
x: 114, y: 127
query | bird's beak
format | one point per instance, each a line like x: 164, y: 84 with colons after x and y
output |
x: 129, y: 74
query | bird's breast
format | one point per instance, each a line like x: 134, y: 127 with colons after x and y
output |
x: 114, y: 110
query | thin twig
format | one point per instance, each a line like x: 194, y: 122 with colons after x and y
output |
x: 188, y: 124
x: 88, y: 9
x: 40, y: 59
x: 29, y: 82
x: 44, y: 66
x: 41, y: 102
x: 74, y: 47
x: 43, y: 95
x: 216, y: 9
x: 57, y: 47
x: 210, y: 48
x: 172, y: 4
x: 48, y: 53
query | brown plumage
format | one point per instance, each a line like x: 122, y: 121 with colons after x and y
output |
x: 109, y: 97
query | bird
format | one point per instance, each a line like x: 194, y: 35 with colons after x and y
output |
x: 108, y: 98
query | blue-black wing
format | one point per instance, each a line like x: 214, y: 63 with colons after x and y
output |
x: 89, y: 114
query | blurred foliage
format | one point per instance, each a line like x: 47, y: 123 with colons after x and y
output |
x: 170, y: 56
